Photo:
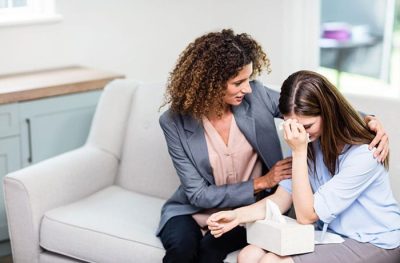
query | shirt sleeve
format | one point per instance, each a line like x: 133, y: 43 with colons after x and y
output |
x: 357, y: 172
x: 287, y: 185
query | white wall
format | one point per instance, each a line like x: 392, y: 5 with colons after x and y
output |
x: 143, y: 38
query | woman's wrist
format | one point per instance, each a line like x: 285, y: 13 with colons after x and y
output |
x: 239, y: 216
x: 261, y: 183
x: 299, y: 152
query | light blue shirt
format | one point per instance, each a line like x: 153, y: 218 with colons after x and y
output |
x: 357, y: 202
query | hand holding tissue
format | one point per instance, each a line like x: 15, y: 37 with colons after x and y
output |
x: 280, y: 234
x: 280, y: 128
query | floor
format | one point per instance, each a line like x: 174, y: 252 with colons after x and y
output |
x: 5, y: 252
x: 6, y: 259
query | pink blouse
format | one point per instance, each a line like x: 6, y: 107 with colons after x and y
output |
x: 232, y: 163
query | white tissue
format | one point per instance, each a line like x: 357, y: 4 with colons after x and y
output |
x: 280, y: 127
x: 328, y: 238
x: 273, y: 213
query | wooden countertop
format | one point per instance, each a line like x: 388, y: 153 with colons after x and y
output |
x: 53, y: 82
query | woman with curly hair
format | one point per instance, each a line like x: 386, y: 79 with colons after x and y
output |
x: 222, y: 139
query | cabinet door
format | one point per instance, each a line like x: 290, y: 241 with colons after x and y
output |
x: 55, y: 125
x: 9, y: 162
x: 9, y: 120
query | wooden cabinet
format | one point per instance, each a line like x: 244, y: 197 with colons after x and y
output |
x: 44, y: 114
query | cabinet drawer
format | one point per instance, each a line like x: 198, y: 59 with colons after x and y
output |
x: 9, y: 124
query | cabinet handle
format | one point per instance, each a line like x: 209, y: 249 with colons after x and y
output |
x: 28, y: 123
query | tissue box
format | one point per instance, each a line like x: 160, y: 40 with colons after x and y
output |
x: 281, y: 238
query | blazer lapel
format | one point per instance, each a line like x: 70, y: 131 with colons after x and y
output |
x: 198, y: 147
x: 247, y: 126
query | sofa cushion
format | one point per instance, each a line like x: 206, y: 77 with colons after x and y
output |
x: 111, y: 225
x: 232, y: 257
x: 146, y: 166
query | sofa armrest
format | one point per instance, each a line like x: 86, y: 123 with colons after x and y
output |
x: 32, y: 191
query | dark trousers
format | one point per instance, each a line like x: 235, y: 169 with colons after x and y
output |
x: 184, y: 242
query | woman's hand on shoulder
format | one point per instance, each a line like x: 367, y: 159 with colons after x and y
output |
x: 222, y: 222
x: 280, y: 171
x: 381, y: 140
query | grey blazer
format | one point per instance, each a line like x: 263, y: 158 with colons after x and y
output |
x: 188, y: 149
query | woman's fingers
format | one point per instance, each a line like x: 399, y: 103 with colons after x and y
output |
x: 382, y: 149
x: 218, y: 222
x: 286, y: 128
x: 215, y: 228
x: 375, y: 125
x: 384, y: 153
x: 221, y: 222
x: 287, y: 160
x: 294, y: 127
x: 285, y: 166
x: 286, y: 176
x: 375, y: 141
x: 213, y: 219
x: 217, y: 232
x: 213, y: 224
x: 294, y: 130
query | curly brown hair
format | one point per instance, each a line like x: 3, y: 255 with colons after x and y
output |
x: 198, y: 82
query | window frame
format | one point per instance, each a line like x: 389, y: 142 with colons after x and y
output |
x: 35, y: 11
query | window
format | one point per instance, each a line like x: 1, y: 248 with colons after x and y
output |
x: 360, y: 51
x: 21, y: 12
x: 13, y: 3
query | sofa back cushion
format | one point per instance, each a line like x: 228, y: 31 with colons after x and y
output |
x: 146, y: 166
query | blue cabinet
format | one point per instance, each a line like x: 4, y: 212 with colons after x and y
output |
x: 36, y: 130
x: 55, y: 125
x: 10, y: 160
x: 10, y: 155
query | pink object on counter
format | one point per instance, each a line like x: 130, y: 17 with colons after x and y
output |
x: 337, y: 31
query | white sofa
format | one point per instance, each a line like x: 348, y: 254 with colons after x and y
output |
x: 101, y: 202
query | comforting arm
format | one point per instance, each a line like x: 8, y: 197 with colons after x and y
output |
x: 222, y: 222
x: 281, y: 170
x: 257, y: 210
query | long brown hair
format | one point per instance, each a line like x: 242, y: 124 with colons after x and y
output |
x: 308, y: 93
x: 198, y: 82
